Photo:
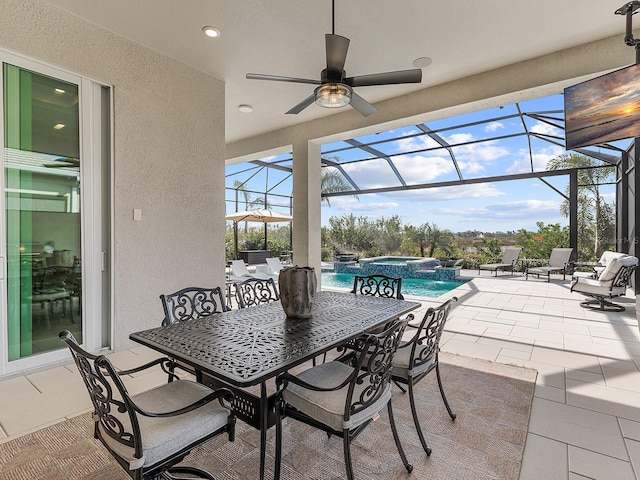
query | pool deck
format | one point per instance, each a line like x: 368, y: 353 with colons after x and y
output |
x: 585, y: 418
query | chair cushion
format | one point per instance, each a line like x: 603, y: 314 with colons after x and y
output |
x: 584, y: 274
x: 560, y: 257
x: 611, y: 270
x: 162, y: 437
x: 607, y: 256
x: 401, y: 361
x: 328, y: 407
x: 543, y: 270
x: 591, y: 286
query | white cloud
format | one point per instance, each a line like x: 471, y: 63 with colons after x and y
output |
x: 493, y: 127
x: 460, y: 138
x: 412, y: 144
x: 459, y: 192
x: 546, y: 129
x: 540, y: 160
x: 523, y: 209
x: 421, y: 168
x: 471, y: 167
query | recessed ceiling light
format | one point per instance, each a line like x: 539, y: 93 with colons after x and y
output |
x: 59, y: 91
x: 59, y: 126
x: 245, y: 108
x: 422, y: 62
x: 211, y: 31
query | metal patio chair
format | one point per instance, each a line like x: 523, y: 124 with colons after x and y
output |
x: 191, y: 303
x: 378, y: 286
x: 151, y: 432
x: 418, y: 357
x: 343, y: 398
x: 612, y: 282
x: 255, y: 291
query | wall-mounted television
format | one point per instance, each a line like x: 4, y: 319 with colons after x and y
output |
x: 603, y: 109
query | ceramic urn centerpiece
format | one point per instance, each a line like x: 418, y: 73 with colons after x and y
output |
x: 297, y: 289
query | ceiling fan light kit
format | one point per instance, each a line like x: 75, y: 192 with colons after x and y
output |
x: 335, y: 89
x: 333, y: 95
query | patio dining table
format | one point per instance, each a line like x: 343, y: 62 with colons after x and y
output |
x: 248, y: 347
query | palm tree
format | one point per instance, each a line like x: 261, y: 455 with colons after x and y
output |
x: 429, y: 236
x: 596, y: 217
x: 333, y: 181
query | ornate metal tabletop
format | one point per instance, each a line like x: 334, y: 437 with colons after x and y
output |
x: 246, y: 346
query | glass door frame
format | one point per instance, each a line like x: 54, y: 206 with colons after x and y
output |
x: 95, y: 261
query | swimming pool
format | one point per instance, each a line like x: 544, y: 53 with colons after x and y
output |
x: 410, y: 286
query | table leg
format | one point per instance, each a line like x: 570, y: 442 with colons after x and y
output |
x: 264, y: 426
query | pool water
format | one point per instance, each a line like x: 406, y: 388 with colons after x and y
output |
x: 410, y: 286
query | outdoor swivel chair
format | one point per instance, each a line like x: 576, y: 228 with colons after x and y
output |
x: 612, y: 282
x: 417, y: 357
x: 342, y: 398
x: 151, y: 432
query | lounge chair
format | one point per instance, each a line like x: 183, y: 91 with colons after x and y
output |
x: 559, y: 260
x: 239, y: 269
x: 274, y: 266
x: 612, y: 282
x: 508, y: 261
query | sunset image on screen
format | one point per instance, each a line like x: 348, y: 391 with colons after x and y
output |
x: 603, y: 109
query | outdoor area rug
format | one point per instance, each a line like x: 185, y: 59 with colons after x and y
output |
x: 486, y: 441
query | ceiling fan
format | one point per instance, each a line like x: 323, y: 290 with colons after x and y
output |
x: 335, y: 89
x: 63, y: 162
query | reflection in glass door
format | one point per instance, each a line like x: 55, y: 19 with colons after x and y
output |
x: 42, y: 211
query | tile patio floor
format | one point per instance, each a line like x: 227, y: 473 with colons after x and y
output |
x: 585, y: 419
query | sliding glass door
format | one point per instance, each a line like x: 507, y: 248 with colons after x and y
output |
x: 42, y: 208
x: 46, y: 155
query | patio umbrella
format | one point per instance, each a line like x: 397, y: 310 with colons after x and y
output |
x: 261, y: 215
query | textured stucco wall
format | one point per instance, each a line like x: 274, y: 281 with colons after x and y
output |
x: 168, y: 149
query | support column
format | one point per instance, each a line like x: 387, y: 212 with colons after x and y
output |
x: 573, y: 211
x: 306, y: 205
x: 622, y: 205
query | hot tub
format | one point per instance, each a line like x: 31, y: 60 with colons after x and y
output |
x: 404, y: 267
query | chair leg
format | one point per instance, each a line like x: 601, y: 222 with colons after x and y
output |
x: 278, y: 452
x: 602, y: 304
x: 414, y: 413
x: 402, y: 389
x: 186, y: 470
x: 444, y: 398
x: 346, y: 443
x: 396, y: 438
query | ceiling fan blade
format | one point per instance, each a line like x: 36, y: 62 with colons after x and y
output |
x: 361, y: 105
x: 387, y: 78
x: 337, y: 47
x: 303, y: 104
x: 63, y: 162
x: 278, y: 78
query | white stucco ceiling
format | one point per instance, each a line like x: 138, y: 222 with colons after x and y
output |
x: 286, y: 37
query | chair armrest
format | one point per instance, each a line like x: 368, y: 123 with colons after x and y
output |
x: 219, y: 394
x: 167, y: 365
x: 286, y: 377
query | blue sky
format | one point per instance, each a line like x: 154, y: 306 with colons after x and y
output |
x: 487, y: 207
